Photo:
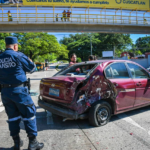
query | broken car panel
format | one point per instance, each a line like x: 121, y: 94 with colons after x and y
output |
x: 93, y: 90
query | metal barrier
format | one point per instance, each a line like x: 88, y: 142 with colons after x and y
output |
x: 75, y: 18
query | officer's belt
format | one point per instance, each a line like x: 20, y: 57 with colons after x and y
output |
x: 13, y: 85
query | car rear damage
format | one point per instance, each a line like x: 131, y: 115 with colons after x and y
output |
x: 82, y: 94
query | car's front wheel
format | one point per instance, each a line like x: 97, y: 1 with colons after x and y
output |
x: 100, y: 113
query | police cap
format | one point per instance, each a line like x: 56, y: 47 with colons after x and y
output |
x: 11, y: 40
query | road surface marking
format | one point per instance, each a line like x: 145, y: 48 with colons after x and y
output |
x: 1, y: 103
x: 49, y: 118
x: 1, y: 109
x: 129, y: 120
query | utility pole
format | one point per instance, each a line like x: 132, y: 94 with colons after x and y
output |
x: 114, y: 51
x: 91, y: 43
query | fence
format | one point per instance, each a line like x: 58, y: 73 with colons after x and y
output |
x: 112, y: 17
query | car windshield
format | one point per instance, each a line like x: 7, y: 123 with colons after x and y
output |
x: 78, y: 70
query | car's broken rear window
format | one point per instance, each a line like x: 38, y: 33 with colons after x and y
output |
x: 78, y: 70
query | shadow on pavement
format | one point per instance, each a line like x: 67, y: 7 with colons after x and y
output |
x: 6, y: 148
x: 131, y: 113
x: 58, y: 123
x: 10, y: 148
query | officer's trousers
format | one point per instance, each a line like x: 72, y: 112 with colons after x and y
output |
x: 19, y: 105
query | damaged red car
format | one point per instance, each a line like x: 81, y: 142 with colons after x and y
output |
x: 96, y: 90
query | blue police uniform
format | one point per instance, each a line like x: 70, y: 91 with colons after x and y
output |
x: 16, y: 99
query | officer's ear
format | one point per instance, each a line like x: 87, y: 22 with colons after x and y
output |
x: 15, y: 47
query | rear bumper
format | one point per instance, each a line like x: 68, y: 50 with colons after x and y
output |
x: 58, y: 110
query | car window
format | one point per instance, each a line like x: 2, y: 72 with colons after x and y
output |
x: 78, y: 70
x: 119, y: 70
x: 108, y: 72
x: 137, y: 71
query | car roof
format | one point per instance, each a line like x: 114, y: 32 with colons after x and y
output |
x: 104, y: 61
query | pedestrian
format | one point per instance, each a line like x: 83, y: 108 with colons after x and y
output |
x: 68, y: 15
x: 95, y: 57
x: 64, y: 15
x: 9, y: 16
x: 91, y: 58
x: 73, y: 59
x: 57, y: 17
x: 145, y: 21
x: 15, y: 95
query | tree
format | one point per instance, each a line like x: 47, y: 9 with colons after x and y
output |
x: 40, y: 44
x: 63, y: 52
x: 80, y: 43
x: 143, y: 44
x: 49, y: 57
x: 2, y: 40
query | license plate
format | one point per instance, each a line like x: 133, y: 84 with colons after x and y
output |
x: 54, y: 92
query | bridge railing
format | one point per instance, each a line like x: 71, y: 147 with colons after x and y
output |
x: 36, y: 18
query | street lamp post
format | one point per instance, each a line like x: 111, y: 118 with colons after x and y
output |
x: 91, y: 43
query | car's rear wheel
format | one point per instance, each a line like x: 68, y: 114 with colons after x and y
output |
x: 100, y: 113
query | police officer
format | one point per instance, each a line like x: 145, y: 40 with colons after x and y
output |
x: 15, y: 96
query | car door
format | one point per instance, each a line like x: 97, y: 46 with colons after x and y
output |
x: 142, y: 84
x: 118, y: 74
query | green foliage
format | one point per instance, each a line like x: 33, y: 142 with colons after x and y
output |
x: 48, y: 57
x: 65, y: 61
x: 143, y: 44
x: 40, y: 59
x: 51, y: 57
x: 39, y: 46
x: 2, y: 40
x: 135, y: 51
x: 80, y: 43
x: 79, y: 59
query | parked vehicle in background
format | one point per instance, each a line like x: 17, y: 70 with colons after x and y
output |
x: 40, y: 66
x: 96, y: 90
x: 146, y: 54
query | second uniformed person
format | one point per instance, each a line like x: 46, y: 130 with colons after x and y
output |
x: 15, y: 96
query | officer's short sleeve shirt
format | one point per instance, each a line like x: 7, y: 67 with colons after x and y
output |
x: 13, y: 67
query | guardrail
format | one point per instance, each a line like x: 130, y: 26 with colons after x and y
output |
x: 36, y: 18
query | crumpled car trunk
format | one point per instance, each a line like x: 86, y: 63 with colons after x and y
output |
x: 78, y: 93
x: 60, y: 89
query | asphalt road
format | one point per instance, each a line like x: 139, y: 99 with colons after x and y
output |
x: 127, y: 131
